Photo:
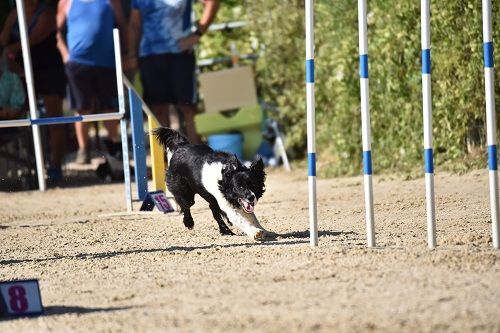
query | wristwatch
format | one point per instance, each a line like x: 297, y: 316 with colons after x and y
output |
x: 198, y: 32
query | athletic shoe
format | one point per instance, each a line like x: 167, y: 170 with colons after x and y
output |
x: 82, y: 156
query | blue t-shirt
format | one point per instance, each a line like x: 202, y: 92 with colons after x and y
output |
x: 164, y: 22
x: 90, y: 33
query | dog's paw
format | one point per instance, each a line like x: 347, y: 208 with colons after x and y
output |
x: 262, y: 235
x: 259, y: 235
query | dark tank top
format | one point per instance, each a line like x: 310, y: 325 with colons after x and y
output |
x: 45, y: 54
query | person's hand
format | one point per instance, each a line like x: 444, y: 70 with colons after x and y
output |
x: 188, y: 42
x: 8, y: 113
x: 130, y: 63
x: 65, y: 58
x: 11, y: 51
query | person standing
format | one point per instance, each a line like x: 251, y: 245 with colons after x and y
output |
x: 88, y: 52
x: 48, y: 70
x: 161, y: 41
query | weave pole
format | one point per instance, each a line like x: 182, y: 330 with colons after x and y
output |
x: 28, y: 72
x: 123, y: 120
x: 311, y: 126
x: 427, y: 113
x: 365, y: 122
x: 491, y: 119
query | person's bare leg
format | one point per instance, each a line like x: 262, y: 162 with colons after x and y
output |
x: 82, y: 137
x: 174, y: 119
x: 161, y: 111
x: 82, y: 133
x: 112, y: 127
x: 53, y: 106
x: 113, y: 146
x: 189, y: 111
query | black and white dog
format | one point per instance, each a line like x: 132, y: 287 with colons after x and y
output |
x: 230, y: 188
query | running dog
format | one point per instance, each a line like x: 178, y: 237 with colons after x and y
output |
x: 230, y: 188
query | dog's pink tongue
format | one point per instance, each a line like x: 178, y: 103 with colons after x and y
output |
x: 248, y: 207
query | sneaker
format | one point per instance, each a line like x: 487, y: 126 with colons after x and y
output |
x: 82, y: 156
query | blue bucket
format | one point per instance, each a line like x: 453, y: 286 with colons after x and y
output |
x: 231, y: 143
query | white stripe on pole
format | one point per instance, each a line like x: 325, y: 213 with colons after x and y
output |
x: 491, y: 120
x: 15, y: 123
x: 365, y: 122
x: 427, y: 116
x: 123, y: 121
x: 102, y: 117
x: 28, y: 71
x: 311, y: 126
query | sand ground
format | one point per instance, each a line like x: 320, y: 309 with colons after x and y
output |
x: 147, y: 273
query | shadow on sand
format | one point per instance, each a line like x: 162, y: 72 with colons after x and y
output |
x: 62, y: 310
x: 292, y: 238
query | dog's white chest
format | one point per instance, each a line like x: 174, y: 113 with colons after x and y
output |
x: 210, y: 176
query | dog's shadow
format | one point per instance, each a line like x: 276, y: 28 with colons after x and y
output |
x: 306, y: 234
x: 294, y: 237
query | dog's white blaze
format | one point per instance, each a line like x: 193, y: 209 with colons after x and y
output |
x: 169, y: 156
x: 248, y: 223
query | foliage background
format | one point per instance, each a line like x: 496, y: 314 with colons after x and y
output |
x: 276, y: 34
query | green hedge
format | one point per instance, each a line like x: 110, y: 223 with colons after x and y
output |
x: 395, y: 79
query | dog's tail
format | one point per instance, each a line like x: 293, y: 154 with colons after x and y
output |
x: 169, y: 138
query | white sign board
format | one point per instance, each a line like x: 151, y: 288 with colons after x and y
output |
x: 20, y: 298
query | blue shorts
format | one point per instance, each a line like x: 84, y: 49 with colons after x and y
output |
x: 91, y: 84
x: 169, y: 78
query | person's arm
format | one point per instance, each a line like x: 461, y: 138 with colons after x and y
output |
x: 209, y: 12
x: 7, y: 28
x: 134, y: 36
x: 121, y: 22
x: 62, y: 9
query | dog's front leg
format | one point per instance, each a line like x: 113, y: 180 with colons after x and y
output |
x: 218, y: 215
x: 247, y: 223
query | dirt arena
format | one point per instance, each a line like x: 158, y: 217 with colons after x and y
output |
x: 147, y: 273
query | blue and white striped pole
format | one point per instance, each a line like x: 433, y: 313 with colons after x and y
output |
x: 491, y: 119
x: 365, y: 122
x: 427, y: 112
x: 311, y: 126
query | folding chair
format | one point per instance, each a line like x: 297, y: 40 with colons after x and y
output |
x: 231, y: 105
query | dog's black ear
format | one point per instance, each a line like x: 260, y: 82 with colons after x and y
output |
x: 236, y: 162
x: 257, y: 166
x: 258, y: 174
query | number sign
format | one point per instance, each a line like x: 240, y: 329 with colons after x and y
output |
x: 156, y: 199
x: 20, y: 298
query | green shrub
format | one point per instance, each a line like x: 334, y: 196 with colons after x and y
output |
x: 395, y: 78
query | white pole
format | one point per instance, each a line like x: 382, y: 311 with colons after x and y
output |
x: 123, y: 121
x: 311, y: 126
x: 365, y: 122
x: 28, y: 71
x: 427, y: 113
x: 491, y: 120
